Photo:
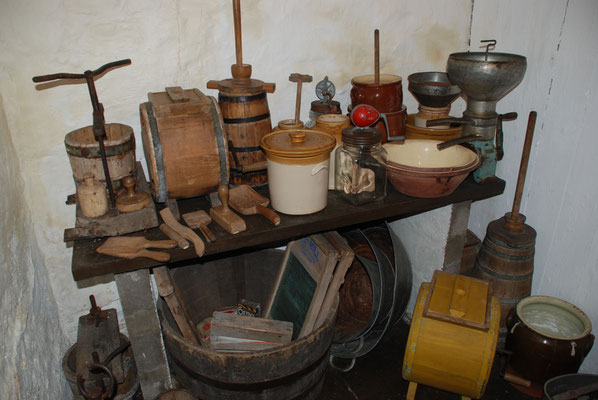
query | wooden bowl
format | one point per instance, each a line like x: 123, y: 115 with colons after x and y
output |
x: 417, y: 168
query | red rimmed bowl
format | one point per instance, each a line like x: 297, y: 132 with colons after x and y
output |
x: 418, y: 169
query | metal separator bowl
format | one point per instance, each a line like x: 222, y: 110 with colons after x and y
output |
x: 433, y: 89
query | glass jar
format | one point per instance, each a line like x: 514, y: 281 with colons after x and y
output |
x: 360, y: 166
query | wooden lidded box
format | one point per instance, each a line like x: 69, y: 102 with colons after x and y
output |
x: 453, y: 335
x: 185, y: 146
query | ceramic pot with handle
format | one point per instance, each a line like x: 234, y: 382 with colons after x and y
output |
x: 547, y: 337
x: 298, y: 163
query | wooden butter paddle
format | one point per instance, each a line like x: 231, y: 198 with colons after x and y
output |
x: 224, y: 216
x: 247, y: 201
x: 136, y: 246
x: 200, y: 220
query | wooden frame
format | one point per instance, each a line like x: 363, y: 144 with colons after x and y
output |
x: 301, y: 284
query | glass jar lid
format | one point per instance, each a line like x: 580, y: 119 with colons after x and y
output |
x: 362, y: 136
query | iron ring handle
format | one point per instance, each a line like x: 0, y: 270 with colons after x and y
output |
x: 111, y: 386
x: 67, y: 75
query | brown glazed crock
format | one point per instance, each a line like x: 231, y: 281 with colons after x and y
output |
x: 386, y: 96
x: 538, y: 355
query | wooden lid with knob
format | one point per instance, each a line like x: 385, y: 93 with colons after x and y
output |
x: 132, y: 200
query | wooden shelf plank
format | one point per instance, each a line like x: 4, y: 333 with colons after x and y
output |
x: 87, y: 263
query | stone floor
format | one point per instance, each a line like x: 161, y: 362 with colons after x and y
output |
x: 377, y: 376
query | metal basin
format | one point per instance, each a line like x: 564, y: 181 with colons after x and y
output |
x: 486, y: 76
x: 433, y: 89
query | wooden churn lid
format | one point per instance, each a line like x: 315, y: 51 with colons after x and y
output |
x: 458, y: 299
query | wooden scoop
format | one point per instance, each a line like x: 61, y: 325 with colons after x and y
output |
x: 200, y: 220
x: 224, y: 216
x: 247, y: 201
x: 133, y: 247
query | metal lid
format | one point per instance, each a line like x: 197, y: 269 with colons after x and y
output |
x: 298, y: 143
x: 361, y: 136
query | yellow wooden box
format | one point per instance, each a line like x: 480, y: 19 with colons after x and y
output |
x: 453, y: 335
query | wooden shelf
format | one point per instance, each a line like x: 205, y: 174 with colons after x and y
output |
x: 87, y: 263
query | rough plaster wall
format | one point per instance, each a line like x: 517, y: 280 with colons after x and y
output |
x: 560, y: 194
x: 424, y: 237
x: 33, y: 344
x: 185, y: 43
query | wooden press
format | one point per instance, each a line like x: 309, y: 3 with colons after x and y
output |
x: 245, y: 113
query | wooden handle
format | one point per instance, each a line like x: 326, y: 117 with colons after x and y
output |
x: 167, y: 289
x: 212, y: 84
x: 207, y: 232
x: 268, y: 213
x: 160, y: 244
x: 237, y: 22
x: 174, y: 235
x: 257, y: 166
x: 154, y: 255
x: 527, y: 146
x: 184, y: 231
x: 269, y: 87
x: 223, y: 196
x: 377, y: 57
x: 129, y: 183
x: 517, y: 380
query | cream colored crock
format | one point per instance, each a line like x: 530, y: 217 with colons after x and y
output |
x: 298, y: 163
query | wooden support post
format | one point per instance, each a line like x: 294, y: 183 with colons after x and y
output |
x: 141, y: 316
x: 455, y: 240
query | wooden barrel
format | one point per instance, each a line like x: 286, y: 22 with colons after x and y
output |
x: 289, y: 371
x: 447, y: 354
x: 506, y: 260
x: 184, y: 144
x: 84, y: 153
x: 246, y: 120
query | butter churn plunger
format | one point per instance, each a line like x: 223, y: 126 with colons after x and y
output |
x: 295, y: 123
x: 245, y: 114
x: 484, y: 77
x: 99, y: 128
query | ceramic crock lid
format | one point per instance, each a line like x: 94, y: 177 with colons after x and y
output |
x: 385, y: 79
x: 298, y: 143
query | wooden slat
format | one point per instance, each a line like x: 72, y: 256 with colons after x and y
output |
x: 143, y: 325
x: 87, y: 263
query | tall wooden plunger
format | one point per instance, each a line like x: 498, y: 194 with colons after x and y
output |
x: 506, y: 257
x: 245, y: 114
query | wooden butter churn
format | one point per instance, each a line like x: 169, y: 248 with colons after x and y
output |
x: 245, y: 113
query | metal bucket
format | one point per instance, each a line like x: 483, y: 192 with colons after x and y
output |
x: 289, y: 371
x: 374, y: 296
x: 124, y: 391
x: 506, y: 260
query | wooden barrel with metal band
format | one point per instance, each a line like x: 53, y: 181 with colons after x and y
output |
x: 184, y: 144
x: 246, y: 120
x: 507, y: 262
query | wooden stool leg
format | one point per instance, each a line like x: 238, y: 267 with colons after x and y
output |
x: 411, y: 391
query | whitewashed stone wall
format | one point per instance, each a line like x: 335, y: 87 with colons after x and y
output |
x: 189, y: 42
